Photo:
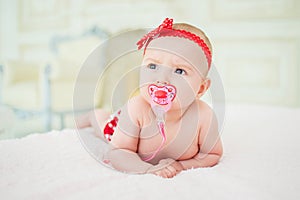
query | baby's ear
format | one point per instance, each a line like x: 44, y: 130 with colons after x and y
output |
x: 204, y: 87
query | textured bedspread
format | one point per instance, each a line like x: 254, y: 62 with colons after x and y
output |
x: 261, y: 161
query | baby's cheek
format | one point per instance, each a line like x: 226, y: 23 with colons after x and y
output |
x: 185, y: 94
x: 144, y: 93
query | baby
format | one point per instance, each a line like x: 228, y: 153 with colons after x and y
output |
x: 166, y: 128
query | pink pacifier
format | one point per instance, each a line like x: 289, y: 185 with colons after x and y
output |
x: 162, y: 95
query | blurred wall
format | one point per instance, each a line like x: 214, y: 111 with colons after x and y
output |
x: 256, y: 43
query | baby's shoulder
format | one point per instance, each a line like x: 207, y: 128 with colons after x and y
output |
x: 132, y: 111
x: 205, y: 111
x: 137, y: 106
x: 137, y: 103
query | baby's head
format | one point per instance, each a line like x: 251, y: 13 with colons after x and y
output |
x: 176, y: 55
x: 196, y: 31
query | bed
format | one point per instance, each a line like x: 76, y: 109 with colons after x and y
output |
x: 261, y: 161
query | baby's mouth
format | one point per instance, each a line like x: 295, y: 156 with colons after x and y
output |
x: 162, y: 95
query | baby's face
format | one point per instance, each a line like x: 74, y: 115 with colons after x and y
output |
x: 161, y: 67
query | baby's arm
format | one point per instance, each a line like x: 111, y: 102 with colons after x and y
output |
x: 123, y: 156
x: 210, y: 145
x: 171, y: 169
x: 124, y: 144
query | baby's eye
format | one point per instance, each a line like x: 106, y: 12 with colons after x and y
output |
x: 151, y: 66
x: 180, y: 71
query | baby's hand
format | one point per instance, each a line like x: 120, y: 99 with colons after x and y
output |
x: 167, y: 168
x: 170, y: 171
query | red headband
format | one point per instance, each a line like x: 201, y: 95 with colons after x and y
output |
x: 166, y: 29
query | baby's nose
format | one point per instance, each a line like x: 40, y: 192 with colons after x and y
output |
x: 162, y: 79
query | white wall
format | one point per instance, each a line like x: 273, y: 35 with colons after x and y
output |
x: 8, y: 29
x: 256, y: 43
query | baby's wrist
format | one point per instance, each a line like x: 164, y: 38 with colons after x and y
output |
x: 181, y: 164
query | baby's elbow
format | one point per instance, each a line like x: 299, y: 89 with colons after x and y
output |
x: 219, y: 155
x: 218, y: 149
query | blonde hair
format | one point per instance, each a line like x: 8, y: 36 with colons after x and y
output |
x: 195, y: 30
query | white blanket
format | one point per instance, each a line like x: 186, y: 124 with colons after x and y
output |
x: 261, y: 161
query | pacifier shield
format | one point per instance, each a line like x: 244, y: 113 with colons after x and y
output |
x: 162, y: 95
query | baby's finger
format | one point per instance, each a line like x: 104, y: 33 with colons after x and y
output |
x: 158, y: 173
x: 170, y: 173
x: 172, y: 170
x: 161, y: 173
x: 177, y: 166
x: 164, y: 173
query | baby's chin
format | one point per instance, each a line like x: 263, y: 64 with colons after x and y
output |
x: 176, y: 105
